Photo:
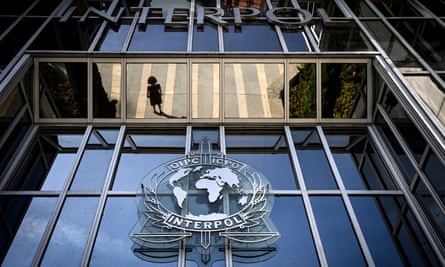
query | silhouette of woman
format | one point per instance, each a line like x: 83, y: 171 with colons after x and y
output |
x: 154, y: 92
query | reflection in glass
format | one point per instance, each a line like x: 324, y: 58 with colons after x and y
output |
x: 295, y: 40
x: 157, y: 37
x: 253, y: 90
x: 63, y: 90
x: 344, y: 90
x: 314, y: 164
x: 378, y: 236
x: 346, y: 38
x: 337, y: 235
x: 268, y: 153
x: 252, y: 37
x: 205, y: 39
x: 68, y: 240
x: 295, y: 245
x: 205, y: 90
x: 113, y: 247
x: 25, y: 242
x: 93, y: 167
x: 173, y: 81
x: 114, y: 37
x: 59, y: 171
x: 302, y: 91
x: 106, y: 90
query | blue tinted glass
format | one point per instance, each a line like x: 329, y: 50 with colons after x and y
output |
x: 378, y: 236
x: 295, y: 41
x: 114, y: 37
x: 206, y: 39
x: 113, y: 245
x: 348, y: 171
x: 28, y: 236
x: 134, y: 166
x: 316, y: 171
x: 295, y: 245
x: 70, y: 235
x: 92, y: 170
x: 276, y: 168
x: 155, y: 37
x: 59, y: 171
x: 251, y: 38
x: 336, y: 234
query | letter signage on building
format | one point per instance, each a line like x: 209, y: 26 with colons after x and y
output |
x: 203, y: 202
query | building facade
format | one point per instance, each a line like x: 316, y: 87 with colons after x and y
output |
x: 316, y: 127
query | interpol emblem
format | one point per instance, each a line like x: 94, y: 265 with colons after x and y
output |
x: 205, y: 201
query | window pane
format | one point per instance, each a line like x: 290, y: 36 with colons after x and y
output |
x: 106, y: 90
x: 336, y: 233
x: 70, y: 235
x: 172, y: 79
x: 342, y: 38
x: 157, y: 37
x: 113, y: 246
x: 252, y: 37
x: 27, y: 238
x: 267, y: 153
x: 295, y: 40
x: 114, y: 37
x: 378, y: 236
x: 93, y: 167
x: 344, y: 90
x: 205, y: 90
x: 205, y: 39
x: 63, y: 90
x: 302, y: 91
x: 313, y: 162
x: 295, y: 246
x: 254, y: 90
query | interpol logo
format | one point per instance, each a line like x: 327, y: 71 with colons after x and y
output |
x: 207, y: 200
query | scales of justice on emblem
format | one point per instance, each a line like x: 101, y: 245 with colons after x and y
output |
x: 201, y: 206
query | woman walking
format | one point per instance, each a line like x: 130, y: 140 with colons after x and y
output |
x: 154, y: 92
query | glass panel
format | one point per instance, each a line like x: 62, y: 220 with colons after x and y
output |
x: 205, y: 90
x: 17, y: 37
x: 205, y: 39
x: 337, y: 235
x: 430, y: 92
x: 254, y: 90
x: 434, y: 169
x: 27, y: 238
x: 342, y: 38
x: 344, y: 90
x: 59, y: 171
x: 93, y: 167
x: 425, y: 36
x: 295, y: 246
x: 118, y: 219
x: 71, y: 232
x: 66, y: 36
x: 295, y: 40
x: 432, y: 209
x: 252, y: 37
x: 342, y: 147
x: 63, y: 90
x: 378, y: 236
x: 266, y: 152
x: 406, y: 127
x: 157, y: 37
x: 172, y: 79
x: 106, y: 90
x: 114, y: 37
x: 143, y: 152
x: 313, y: 162
x: 377, y: 178
x: 302, y: 91
x: 392, y: 46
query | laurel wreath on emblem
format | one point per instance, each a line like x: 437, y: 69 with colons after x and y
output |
x: 252, y: 213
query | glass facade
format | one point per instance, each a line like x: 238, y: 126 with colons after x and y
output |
x: 339, y: 104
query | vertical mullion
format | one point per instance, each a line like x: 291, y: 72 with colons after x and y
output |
x: 346, y: 200
x: 103, y: 197
x: 60, y: 202
x: 306, y: 201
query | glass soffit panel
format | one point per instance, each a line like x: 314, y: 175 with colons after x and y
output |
x: 138, y: 140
